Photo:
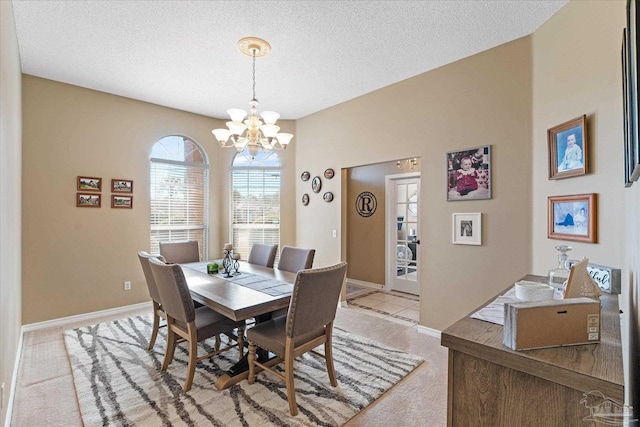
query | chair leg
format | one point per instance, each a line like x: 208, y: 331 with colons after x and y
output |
x: 288, y: 373
x: 193, y: 360
x: 251, y: 359
x: 216, y: 345
x: 156, y: 325
x: 171, y: 348
x: 328, y: 355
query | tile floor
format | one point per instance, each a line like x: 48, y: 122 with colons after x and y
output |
x: 396, y: 306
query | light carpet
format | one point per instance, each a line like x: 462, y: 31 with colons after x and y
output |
x: 118, y: 382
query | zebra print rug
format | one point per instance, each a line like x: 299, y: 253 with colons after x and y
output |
x: 118, y: 382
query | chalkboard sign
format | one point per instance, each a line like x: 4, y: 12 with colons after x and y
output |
x: 607, y: 278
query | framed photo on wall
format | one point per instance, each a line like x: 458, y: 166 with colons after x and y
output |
x: 86, y: 183
x: 122, y: 202
x: 88, y: 200
x: 630, y: 95
x: 469, y: 174
x: 572, y: 218
x: 121, y: 186
x: 568, y: 149
x: 467, y: 228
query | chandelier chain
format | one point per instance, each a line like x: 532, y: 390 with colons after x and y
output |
x: 254, y: 74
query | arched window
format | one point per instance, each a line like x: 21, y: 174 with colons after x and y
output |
x: 179, y: 182
x: 255, y: 201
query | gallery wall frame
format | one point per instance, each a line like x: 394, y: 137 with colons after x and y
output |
x: 630, y: 94
x: 573, y: 217
x: 568, y: 148
x: 121, y: 186
x: 88, y: 200
x: 119, y: 201
x: 467, y: 228
x: 469, y: 174
x: 87, y: 183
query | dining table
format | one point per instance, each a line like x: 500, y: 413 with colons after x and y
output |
x: 251, y: 292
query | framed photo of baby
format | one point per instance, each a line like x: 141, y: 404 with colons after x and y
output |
x: 568, y: 149
x: 573, y: 218
x: 469, y: 174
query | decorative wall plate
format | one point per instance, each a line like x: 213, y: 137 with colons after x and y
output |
x: 305, y: 199
x: 305, y: 176
x: 328, y: 197
x: 329, y: 173
x: 316, y: 184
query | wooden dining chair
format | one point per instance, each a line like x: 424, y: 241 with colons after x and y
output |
x: 186, y: 321
x: 158, y: 311
x: 308, y: 324
x: 180, y: 252
x: 262, y: 254
x: 295, y: 259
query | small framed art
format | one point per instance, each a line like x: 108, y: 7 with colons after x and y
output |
x: 305, y: 199
x: 469, y: 174
x: 572, y: 218
x: 121, y: 186
x: 467, y: 228
x: 122, y: 202
x: 568, y: 149
x: 305, y: 176
x: 86, y: 183
x: 328, y: 197
x: 329, y: 173
x: 88, y: 200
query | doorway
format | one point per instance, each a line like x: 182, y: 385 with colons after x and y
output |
x: 402, y: 233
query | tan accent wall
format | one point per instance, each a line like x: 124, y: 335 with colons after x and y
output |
x: 75, y: 260
x: 484, y: 99
x: 577, y: 70
x: 366, y: 235
x: 10, y: 200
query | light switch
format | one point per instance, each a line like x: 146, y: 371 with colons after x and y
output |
x: 335, y: 233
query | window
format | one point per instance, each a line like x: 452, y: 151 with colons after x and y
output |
x: 179, y: 183
x: 255, y: 201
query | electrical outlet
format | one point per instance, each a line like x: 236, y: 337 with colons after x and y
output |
x: 335, y: 233
x: 127, y: 286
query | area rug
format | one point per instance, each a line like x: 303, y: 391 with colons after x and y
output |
x: 118, y: 382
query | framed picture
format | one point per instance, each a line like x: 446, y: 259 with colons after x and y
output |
x: 469, y: 174
x: 121, y: 186
x: 467, y: 228
x: 572, y: 218
x: 88, y: 200
x: 329, y: 173
x: 328, y: 197
x: 316, y: 184
x: 305, y: 176
x: 568, y: 149
x: 630, y: 95
x: 305, y: 199
x: 122, y: 202
x: 86, y: 183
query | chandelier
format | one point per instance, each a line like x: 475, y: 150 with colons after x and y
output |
x: 252, y: 133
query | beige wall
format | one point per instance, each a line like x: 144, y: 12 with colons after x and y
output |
x: 10, y: 199
x: 576, y: 71
x: 76, y: 259
x: 366, y: 236
x: 481, y: 100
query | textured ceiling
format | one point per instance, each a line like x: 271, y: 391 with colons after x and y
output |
x: 182, y: 54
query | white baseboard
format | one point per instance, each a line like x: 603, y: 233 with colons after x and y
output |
x: 365, y: 284
x: 429, y: 331
x: 86, y: 316
x: 14, y: 381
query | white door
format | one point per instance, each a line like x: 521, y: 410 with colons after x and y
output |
x: 403, y: 233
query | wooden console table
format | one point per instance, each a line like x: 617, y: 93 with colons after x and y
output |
x: 492, y: 385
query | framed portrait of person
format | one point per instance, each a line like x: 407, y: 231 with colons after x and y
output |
x: 568, y: 149
x: 469, y: 174
x: 467, y: 228
x: 573, y: 218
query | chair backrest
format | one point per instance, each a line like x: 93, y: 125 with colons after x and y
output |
x: 315, y: 299
x: 151, y: 282
x: 180, y: 252
x: 295, y: 259
x: 262, y: 254
x: 174, y: 292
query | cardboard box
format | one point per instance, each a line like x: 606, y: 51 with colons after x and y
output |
x: 552, y: 323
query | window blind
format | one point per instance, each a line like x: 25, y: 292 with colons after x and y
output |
x: 255, y: 211
x: 179, y: 208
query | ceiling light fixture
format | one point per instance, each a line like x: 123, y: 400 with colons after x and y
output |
x: 412, y: 163
x: 252, y: 133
